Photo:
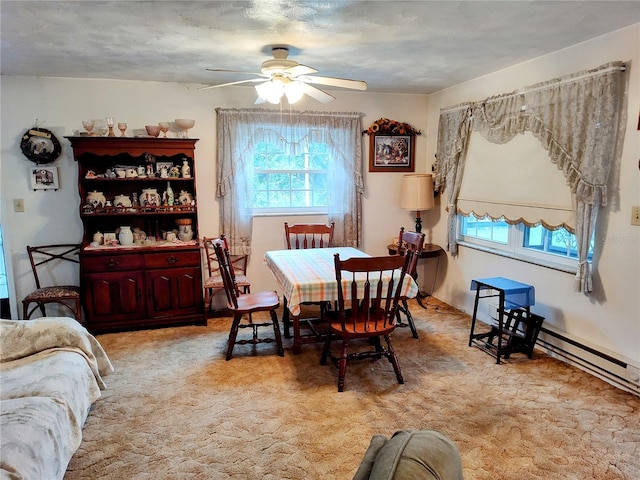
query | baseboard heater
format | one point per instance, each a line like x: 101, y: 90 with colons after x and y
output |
x: 602, y: 365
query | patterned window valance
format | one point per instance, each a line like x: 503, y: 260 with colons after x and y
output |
x: 576, y: 119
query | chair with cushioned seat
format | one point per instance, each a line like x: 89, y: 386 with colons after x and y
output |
x: 51, y: 257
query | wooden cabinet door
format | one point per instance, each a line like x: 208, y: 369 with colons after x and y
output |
x: 113, y: 296
x: 174, y: 292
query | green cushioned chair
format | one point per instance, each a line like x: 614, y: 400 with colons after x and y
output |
x: 408, y: 455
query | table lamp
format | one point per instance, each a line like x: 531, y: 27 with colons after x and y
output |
x: 417, y: 194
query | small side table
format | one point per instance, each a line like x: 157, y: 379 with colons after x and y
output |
x: 429, y: 250
x: 517, y: 329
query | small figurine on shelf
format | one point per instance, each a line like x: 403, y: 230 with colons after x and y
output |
x: 150, y: 162
x: 186, y: 169
x: 174, y: 172
x: 170, y: 195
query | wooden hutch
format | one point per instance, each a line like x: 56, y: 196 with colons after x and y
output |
x: 154, y: 281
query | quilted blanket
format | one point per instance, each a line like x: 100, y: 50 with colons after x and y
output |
x: 51, y: 373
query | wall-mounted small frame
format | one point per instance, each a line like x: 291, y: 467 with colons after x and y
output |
x: 391, y: 153
x: 44, y: 178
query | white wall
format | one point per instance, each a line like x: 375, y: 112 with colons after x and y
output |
x: 609, y: 318
x: 61, y: 104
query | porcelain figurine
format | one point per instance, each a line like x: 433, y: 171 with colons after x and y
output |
x: 170, y: 195
x: 186, y: 169
x: 149, y: 197
x: 98, y: 238
x: 96, y: 199
x: 139, y: 236
x: 122, y: 201
x: 185, y: 198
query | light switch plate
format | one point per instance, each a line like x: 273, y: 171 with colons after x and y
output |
x: 18, y: 205
x: 635, y: 216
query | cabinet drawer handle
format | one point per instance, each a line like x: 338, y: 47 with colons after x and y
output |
x: 172, y: 260
x: 112, y: 262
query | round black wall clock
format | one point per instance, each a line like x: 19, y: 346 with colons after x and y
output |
x: 40, y: 145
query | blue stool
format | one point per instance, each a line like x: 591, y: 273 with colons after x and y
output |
x: 517, y: 329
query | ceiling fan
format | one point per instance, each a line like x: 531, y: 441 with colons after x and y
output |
x: 281, y: 76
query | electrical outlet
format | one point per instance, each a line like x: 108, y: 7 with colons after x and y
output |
x: 635, y: 216
x: 18, y: 205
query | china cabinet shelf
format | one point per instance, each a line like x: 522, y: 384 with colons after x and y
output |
x: 151, y: 282
x: 109, y: 211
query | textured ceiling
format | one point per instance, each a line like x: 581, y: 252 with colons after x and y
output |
x: 401, y: 46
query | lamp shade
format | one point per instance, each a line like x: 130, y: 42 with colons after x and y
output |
x: 417, y: 192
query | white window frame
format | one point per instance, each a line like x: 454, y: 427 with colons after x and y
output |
x: 514, y: 249
x: 304, y: 210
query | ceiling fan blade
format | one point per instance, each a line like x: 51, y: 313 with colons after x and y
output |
x: 253, y: 80
x: 299, y: 70
x: 226, y: 70
x: 335, y: 82
x: 316, y: 93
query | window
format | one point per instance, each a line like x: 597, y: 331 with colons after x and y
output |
x: 298, y: 182
x: 552, y: 248
x: 272, y: 163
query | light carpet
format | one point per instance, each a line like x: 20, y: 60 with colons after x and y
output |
x: 175, y: 409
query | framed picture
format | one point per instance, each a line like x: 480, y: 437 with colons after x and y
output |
x: 110, y: 238
x: 44, y: 178
x: 391, y: 153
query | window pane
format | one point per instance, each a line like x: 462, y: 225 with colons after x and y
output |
x: 260, y: 181
x: 279, y: 181
x: 280, y: 199
x: 486, y: 229
x: 320, y: 198
x: 319, y: 162
x: 260, y: 162
x: 279, y: 162
x: 298, y: 181
x: 290, y: 181
x: 261, y: 200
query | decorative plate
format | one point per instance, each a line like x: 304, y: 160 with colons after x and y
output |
x: 40, y: 145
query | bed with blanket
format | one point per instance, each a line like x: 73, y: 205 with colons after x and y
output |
x: 51, y: 373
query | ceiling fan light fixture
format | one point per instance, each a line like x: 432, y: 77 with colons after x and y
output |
x: 294, y: 91
x: 271, y: 91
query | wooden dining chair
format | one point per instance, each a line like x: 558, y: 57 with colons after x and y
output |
x: 214, y: 281
x: 414, y: 242
x: 309, y: 235
x: 303, y: 236
x: 50, y: 257
x: 371, y: 314
x: 241, y: 304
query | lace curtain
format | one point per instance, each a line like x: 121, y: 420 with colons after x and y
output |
x: 576, y: 119
x: 238, y: 133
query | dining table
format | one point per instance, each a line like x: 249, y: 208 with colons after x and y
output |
x: 309, y: 276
